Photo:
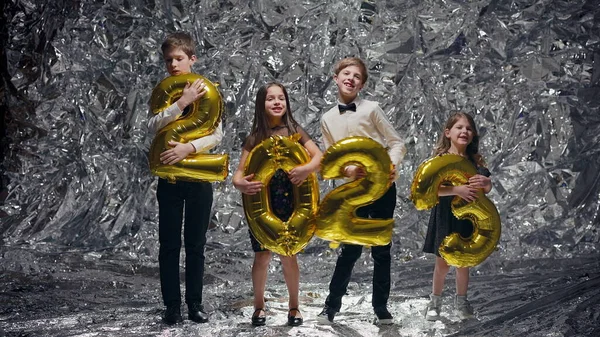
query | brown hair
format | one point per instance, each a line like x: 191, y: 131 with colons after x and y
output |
x: 179, y: 40
x: 260, y: 125
x: 443, y: 143
x: 352, y: 61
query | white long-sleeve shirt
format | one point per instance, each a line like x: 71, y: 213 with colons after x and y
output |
x: 368, y: 120
x: 203, y: 144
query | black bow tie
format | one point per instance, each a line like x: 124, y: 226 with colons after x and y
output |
x: 343, y: 108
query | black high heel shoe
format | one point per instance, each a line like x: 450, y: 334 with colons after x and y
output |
x: 293, y: 320
x: 258, y: 320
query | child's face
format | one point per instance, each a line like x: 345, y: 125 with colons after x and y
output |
x: 178, y: 62
x: 275, y: 104
x: 460, y: 134
x: 349, y: 81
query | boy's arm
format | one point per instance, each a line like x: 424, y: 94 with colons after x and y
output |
x: 191, y: 93
x: 350, y: 171
x: 158, y: 121
x: 206, y: 143
x: 327, y: 140
x: 397, y: 150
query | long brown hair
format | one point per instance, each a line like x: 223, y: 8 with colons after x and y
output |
x: 260, y: 125
x: 443, y: 143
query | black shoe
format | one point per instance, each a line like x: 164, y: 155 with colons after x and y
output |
x: 327, y: 315
x: 196, y: 313
x: 383, y: 316
x: 257, y: 319
x: 294, y: 320
x: 172, y: 315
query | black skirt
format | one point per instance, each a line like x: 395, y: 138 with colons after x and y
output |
x: 442, y: 222
x: 282, y: 202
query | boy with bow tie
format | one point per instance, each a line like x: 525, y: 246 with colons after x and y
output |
x: 355, y: 116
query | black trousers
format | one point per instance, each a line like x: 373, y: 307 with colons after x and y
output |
x: 196, y: 198
x: 381, y: 208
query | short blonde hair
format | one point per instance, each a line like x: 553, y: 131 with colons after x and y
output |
x: 352, y: 61
x: 179, y: 40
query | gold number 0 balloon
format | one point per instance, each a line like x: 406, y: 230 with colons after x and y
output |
x: 202, y: 120
x: 336, y: 219
x: 289, y: 237
x: 456, y: 250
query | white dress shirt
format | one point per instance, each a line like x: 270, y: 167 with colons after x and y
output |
x: 368, y: 120
x: 203, y: 144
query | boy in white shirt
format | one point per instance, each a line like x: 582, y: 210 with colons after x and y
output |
x: 354, y: 116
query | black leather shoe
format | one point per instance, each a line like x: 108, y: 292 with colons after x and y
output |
x: 257, y: 319
x: 172, y: 315
x: 384, y: 316
x: 327, y: 315
x: 294, y: 320
x: 196, y: 313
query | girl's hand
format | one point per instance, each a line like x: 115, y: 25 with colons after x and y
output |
x: 355, y: 172
x: 298, y: 174
x: 480, y: 181
x: 175, y: 154
x: 466, y: 192
x: 191, y: 93
x: 247, y: 186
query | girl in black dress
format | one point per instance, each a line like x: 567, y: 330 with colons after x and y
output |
x: 460, y: 137
x: 273, y: 117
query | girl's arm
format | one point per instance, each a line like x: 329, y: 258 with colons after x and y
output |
x: 481, y: 181
x: 466, y: 192
x: 299, y: 173
x: 245, y: 183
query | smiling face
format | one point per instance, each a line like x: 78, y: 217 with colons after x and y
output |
x: 178, y: 62
x: 460, y: 135
x: 350, y: 81
x: 275, y: 104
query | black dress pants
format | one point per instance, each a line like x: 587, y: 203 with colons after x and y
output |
x: 381, y: 208
x: 196, y: 198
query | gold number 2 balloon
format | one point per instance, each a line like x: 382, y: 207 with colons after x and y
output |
x: 281, y: 237
x: 456, y: 250
x: 202, y: 120
x: 336, y: 219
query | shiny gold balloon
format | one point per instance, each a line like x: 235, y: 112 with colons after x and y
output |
x: 203, y: 119
x: 336, y: 219
x: 454, y: 169
x: 281, y: 237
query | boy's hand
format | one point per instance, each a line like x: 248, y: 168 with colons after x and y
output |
x: 298, y: 174
x: 191, y: 93
x: 393, y: 174
x: 247, y: 186
x: 355, y: 172
x: 177, y: 153
x: 480, y: 181
x: 466, y: 192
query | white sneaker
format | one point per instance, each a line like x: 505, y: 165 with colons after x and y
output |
x: 434, y: 307
x: 463, y: 307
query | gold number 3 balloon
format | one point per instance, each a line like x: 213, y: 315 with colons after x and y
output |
x: 336, y: 219
x: 202, y: 120
x: 289, y: 237
x: 456, y: 250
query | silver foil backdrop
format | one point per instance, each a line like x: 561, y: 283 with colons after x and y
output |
x: 78, y: 75
x: 81, y: 73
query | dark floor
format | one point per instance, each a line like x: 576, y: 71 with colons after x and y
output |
x: 109, y: 294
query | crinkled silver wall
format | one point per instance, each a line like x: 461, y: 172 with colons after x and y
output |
x: 79, y: 74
